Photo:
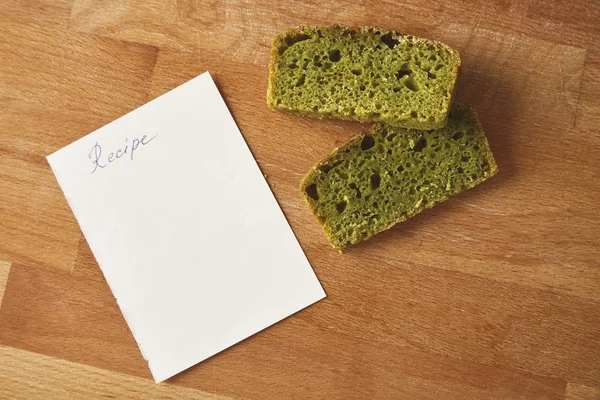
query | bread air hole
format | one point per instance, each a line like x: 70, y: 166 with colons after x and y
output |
x: 367, y: 142
x: 335, y: 55
x: 389, y: 41
x: 290, y: 40
x: 325, y: 168
x: 458, y: 135
x: 340, y: 207
x: 375, y: 180
x: 357, y: 72
x: 404, y: 71
x: 420, y: 145
x: 311, y: 191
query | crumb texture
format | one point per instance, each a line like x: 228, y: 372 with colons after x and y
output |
x: 370, y: 75
x: 377, y: 180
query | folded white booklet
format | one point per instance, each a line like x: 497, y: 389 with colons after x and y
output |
x: 184, y: 227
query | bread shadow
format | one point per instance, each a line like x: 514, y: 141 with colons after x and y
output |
x: 414, y: 226
x: 493, y: 98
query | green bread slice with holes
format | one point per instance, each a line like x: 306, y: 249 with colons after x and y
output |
x: 375, y: 181
x: 368, y: 75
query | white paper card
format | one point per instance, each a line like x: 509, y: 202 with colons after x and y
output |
x: 184, y: 227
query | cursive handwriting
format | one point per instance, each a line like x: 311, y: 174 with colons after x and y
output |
x: 102, y: 162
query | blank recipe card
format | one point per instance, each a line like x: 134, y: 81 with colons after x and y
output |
x: 184, y: 227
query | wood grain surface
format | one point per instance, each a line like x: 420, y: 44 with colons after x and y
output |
x: 494, y: 294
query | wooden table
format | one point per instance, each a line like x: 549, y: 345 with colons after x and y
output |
x: 493, y: 295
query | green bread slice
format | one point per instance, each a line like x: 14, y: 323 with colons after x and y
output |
x: 368, y: 75
x: 375, y: 181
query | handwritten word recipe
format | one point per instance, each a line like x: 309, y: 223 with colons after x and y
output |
x: 102, y: 161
